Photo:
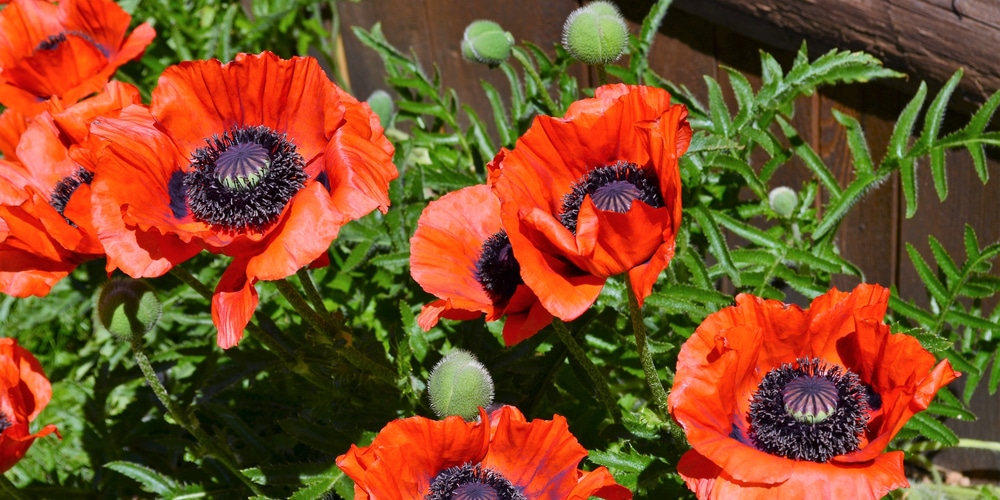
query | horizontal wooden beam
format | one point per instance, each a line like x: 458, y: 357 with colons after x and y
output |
x: 927, y: 39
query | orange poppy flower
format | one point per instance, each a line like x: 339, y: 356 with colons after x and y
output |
x: 24, y: 393
x: 261, y: 159
x: 460, y: 253
x: 46, y: 202
x: 500, y: 456
x: 594, y: 194
x: 780, y: 402
x: 69, y: 50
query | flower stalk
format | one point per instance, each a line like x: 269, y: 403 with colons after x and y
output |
x: 596, y: 377
x: 529, y: 69
x: 645, y: 357
x: 186, y: 420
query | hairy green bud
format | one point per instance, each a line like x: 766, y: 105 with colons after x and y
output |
x: 127, y: 308
x: 486, y: 42
x: 381, y: 103
x: 595, y: 33
x: 783, y: 201
x: 459, y: 384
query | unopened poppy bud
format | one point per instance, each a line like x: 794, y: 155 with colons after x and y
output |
x: 381, y: 103
x: 595, y: 33
x: 783, y: 201
x: 486, y: 42
x: 127, y: 308
x: 459, y: 384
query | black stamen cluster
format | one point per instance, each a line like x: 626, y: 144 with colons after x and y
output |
x: 775, y: 431
x: 54, y: 41
x: 65, y: 188
x: 645, y: 182
x: 4, y: 422
x: 257, y: 207
x: 497, y: 270
x: 448, y: 484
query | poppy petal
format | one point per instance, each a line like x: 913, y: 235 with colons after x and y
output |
x: 233, y: 303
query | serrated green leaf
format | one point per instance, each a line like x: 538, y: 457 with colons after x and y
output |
x: 971, y: 243
x: 972, y: 378
x: 149, y: 480
x: 812, y: 160
x: 930, y: 281
x: 717, y: 242
x: 961, y: 364
x: 507, y: 134
x: 744, y: 97
x: 965, y: 319
x: 943, y: 260
x: 319, y: 486
x: 950, y: 411
x: 935, y: 112
x: 743, y: 170
x: 932, y: 429
x: 721, y: 121
x: 908, y: 178
x: 857, y: 143
x: 632, y: 461
x: 994, y: 380
x: 938, y: 172
x: 748, y: 231
x: 904, y: 124
x: 841, y: 205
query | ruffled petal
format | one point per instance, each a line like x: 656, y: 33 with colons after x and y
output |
x: 233, y: 303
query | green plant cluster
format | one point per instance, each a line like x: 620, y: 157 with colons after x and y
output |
x: 285, y: 410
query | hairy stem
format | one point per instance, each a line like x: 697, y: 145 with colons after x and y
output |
x: 596, y: 377
x: 642, y: 349
x: 187, y: 421
x: 529, y: 69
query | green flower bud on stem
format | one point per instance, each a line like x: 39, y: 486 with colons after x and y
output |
x: 783, y: 201
x: 459, y: 384
x: 595, y: 33
x: 381, y: 103
x: 486, y: 42
x: 127, y: 308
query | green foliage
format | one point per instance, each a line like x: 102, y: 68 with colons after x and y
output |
x: 335, y: 353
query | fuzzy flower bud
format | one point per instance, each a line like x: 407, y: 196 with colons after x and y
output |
x: 127, y: 308
x: 783, y: 201
x: 381, y: 103
x: 459, y: 384
x: 595, y: 33
x: 486, y: 42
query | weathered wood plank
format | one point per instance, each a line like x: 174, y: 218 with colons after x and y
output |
x: 928, y: 39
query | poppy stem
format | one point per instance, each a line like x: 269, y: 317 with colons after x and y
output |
x: 9, y: 490
x: 312, y: 293
x: 324, y: 324
x: 642, y: 349
x: 529, y: 69
x: 264, y: 337
x: 186, y: 420
x: 596, y: 377
x: 602, y: 75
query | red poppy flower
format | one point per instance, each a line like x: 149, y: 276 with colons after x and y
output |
x: 460, y: 253
x: 507, y: 457
x: 45, y: 202
x: 67, y: 50
x: 594, y: 194
x: 261, y: 159
x: 780, y: 402
x: 24, y: 393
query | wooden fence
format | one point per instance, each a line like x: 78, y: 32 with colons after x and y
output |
x: 692, y: 43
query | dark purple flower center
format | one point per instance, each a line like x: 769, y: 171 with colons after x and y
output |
x: 809, y: 410
x: 472, y: 482
x: 810, y: 399
x: 242, y: 180
x: 612, y: 188
x: 65, y: 188
x: 497, y: 270
x: 4, y: 422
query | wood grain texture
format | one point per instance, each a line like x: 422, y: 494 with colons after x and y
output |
x: 927, y: 39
